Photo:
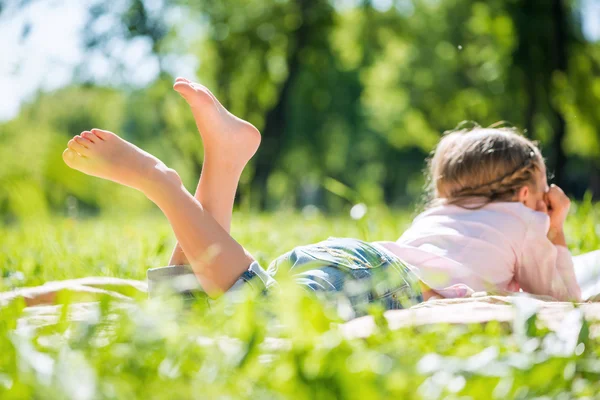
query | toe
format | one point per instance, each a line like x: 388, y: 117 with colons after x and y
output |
x: 69, y: 156
x: 102, y: 134
x: 204, y: 91
x: 83, y: 141
x: 89, y: 136
x: 73, y: 145
x: 183, y: 87
x: 194, y: 94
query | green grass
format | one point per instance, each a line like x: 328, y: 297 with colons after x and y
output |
x: 156, y: 350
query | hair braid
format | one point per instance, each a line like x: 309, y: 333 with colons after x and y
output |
x: 499, y: 189
x: 489, y: 164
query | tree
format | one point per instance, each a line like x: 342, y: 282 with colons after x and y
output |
x: 356, y: 94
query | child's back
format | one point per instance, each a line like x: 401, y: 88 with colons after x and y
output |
x: 502, y: 246
x: 494, y: 225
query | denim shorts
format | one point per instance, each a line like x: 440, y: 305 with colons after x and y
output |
x: 344, y: 271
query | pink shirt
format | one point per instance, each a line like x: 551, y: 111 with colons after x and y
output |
x: 502, y: 246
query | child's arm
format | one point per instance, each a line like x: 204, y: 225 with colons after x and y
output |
x: 546, y: 266
x: 546, y: 269
x: 558, y: 209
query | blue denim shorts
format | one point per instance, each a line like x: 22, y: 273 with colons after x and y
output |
x: 344, y: 271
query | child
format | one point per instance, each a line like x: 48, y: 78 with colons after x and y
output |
x: 494, y: 224
x: 473, y: 228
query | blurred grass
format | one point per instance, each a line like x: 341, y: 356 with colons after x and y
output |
x: 117, y: 245
x: 156, y: 350
x: 126, y: 247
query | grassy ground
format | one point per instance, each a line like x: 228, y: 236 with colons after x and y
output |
x: 118, y: 246
x: 156, y: 350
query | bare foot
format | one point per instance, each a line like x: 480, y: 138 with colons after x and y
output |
x: 230, y: 139
x: 105, y: 155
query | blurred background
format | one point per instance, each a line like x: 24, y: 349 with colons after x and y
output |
x: 350, y: 95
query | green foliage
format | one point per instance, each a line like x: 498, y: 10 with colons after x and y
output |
x: 287, y: 347
x: 353, y: 92
x: 155, y: 351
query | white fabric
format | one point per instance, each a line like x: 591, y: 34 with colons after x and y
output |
x: 587, y: 272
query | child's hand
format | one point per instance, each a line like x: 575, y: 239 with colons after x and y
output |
x: 541, y: 206
x: 558, y: 206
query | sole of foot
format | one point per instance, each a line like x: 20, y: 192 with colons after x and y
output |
x: 226, y: 137
x: 105, y: 155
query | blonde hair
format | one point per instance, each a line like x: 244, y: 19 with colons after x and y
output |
x: 490, y: 164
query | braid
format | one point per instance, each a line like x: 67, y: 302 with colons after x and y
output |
x: 505, y: 186
x: 488, y: 164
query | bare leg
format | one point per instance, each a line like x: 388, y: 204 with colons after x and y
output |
x: 215, y: 257
x: 229, y: 143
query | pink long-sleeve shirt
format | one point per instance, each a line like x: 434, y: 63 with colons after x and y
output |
x: 502, y: 246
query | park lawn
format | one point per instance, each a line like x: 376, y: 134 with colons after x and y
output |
x: 286, y: 348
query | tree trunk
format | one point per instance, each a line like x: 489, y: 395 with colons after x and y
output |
x: 594, y: 184
x: 275, y: 122
x: 559, y: 46
x: 526, y: 49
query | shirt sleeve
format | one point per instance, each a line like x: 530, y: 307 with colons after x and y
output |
x: 544, y: 268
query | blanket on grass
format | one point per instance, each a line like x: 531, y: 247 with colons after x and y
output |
x: 480, y: 308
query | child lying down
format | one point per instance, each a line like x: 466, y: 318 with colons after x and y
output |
x: 493, y: 223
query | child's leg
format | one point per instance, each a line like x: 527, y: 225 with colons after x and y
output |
x: 229, y: 143
x: 215, y: 257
